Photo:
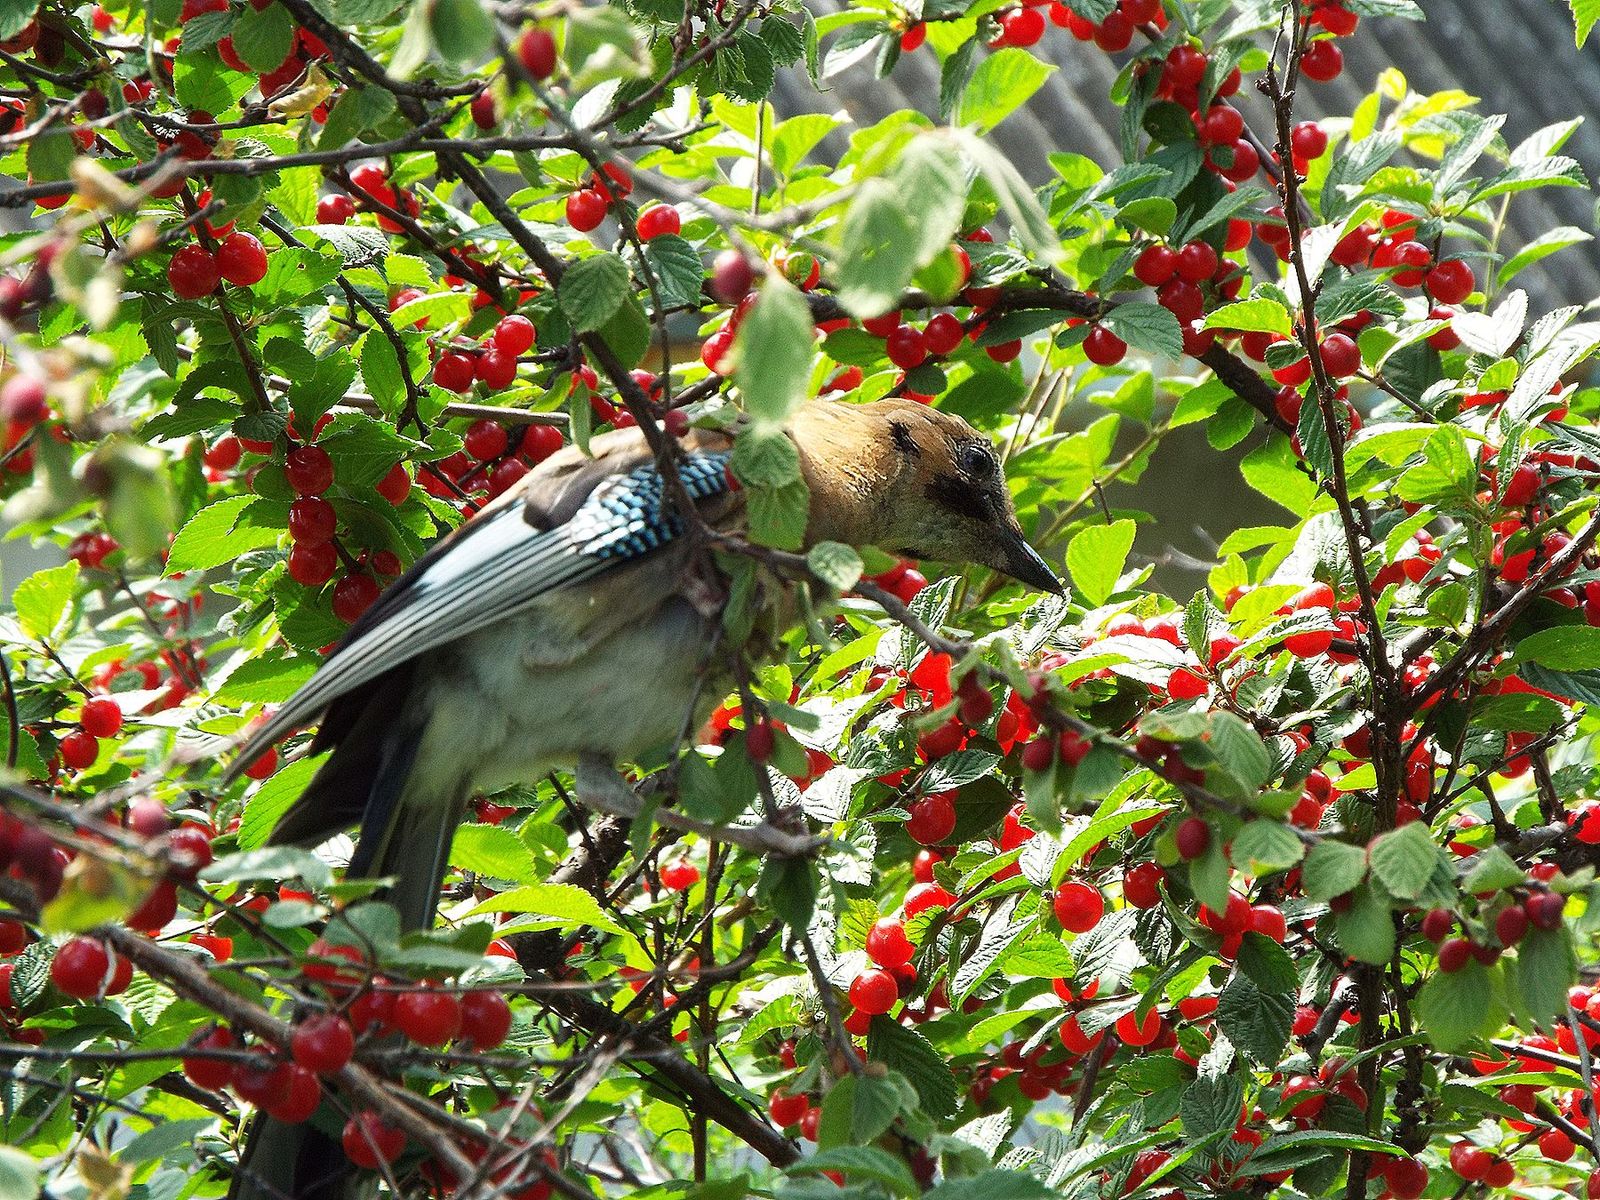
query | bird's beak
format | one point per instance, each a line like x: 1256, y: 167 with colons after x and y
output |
x: 1023, y: 563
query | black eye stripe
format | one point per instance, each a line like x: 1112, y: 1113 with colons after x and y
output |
x: 957, y: 495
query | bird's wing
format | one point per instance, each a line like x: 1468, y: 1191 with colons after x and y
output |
x: 495, y: 566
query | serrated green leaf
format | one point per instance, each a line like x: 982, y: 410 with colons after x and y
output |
x: 774, y: 353
x: 592, y: 290
x: 493, y: 851
x: 1332, y: 869
x: 836, y: 564
x: 552, y: 905
x: 42, y: 598
x: 1405, y: 859
x: 1096, y: 556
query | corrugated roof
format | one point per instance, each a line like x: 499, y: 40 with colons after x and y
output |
x: 1519, y: 60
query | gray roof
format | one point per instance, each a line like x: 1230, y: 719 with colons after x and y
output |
x: 1518, y: 59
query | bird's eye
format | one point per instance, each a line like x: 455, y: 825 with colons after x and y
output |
x: 976, y: 461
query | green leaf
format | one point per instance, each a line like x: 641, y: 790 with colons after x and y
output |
x: 272, y: 863
x: 556, y: 905
x: 1147, y: 327
x: 1584, y: 15
x: 1366, y: 928
x: 678, y: 271
x: 1153, y: 214
x: 463, y: 30
x: 992, y: 1185
x: 1565, y: 647
x: 1454, y: 1009
x: 1210, y: 1104
x: 265, y: 680
x: 1242, y: 755
x: 353, y: 113
x: 1447, y: 471
x: 1493, y: 870
x: 778, y: 515
x: 1546, y: 967
x: 492, y: 851
x: 263, y: 37
x: 41, y: 599
x: 1001, y: 85
x: 14, y: 18
x: 273, y: 798
x: 774, y: 353
x: 905, y: 1050
x: 1032, y: 225
x: 857, y: 1109
x: 19, y: 1172
x: 837, y: 565
x: 1541, y: 247
x: 1251, y: 316
x: 592, y: 290
x: 1265, y: 846
x: 1096, y: 557
x: 1332, y: 869
x: 219, y: 533
x: 765, y: 458
x: 1256, y: 1020
x: 857, y: 1162
x: 160, y: 1140
x: 1405, y: 859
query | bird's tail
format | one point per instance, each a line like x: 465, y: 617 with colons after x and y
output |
x: 403, y: 836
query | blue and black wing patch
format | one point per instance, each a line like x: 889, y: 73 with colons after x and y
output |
x: 500, y: 566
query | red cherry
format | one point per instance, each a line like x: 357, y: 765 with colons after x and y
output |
x: 786, y: 1110
x: 496, y: 369
x: 1197, y: 262
x: 211, y: 1074
x: 1341, y: 357
x: 485, y: 439
x: 396, y: 485
x: 731, y: 276
x: 1323, y: 61
x: 1155, y: 265
x: 79, y: 750
x: 485, y: 1019
x: 24, y: 401
x: 906, y: 347
x: 1450, y: 281
x: 312, y: 564
x: 679, y: 876
x: 1308, y: 140
x: 368, y: 1141
x: 322, y: 1043
x: 100, y: 717
x: 536, y: 50
x: 514, y: 335
x: 586, y: 208
x: 1407, y: 1178
x: 887, y: 944
x: 1022, y: 27
x: 874, y: 991
x: 539, y: 442
x: 242, y: 259
x: 301, y: 1099
x: 309, y: 470
x: 193, y: 273
x: 1104, y: 348
x: 224, y: 453
x: 81, y: 968
x: 1453, y: 955
x: 1078, y: 906
x: 1135, y: 1032
x: 483, y: 111
x: 190, y: 849
x: 1193, y: 837
x: 158, y: 908
x: 657, y: 221
x: 312, y: 520
x: 1141, y: 886
x: 933, y: 818
x: 942, y: 334
x: 353, y: 595
x: 335, y: 210
x: 428, y: 1018
x: 454, y: 372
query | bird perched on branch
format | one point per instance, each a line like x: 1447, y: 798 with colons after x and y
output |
x: 567, y: 621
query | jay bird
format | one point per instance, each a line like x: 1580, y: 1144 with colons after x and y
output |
x: 565, y: 624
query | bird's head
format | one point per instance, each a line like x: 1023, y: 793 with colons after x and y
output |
x: 916, y: 481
